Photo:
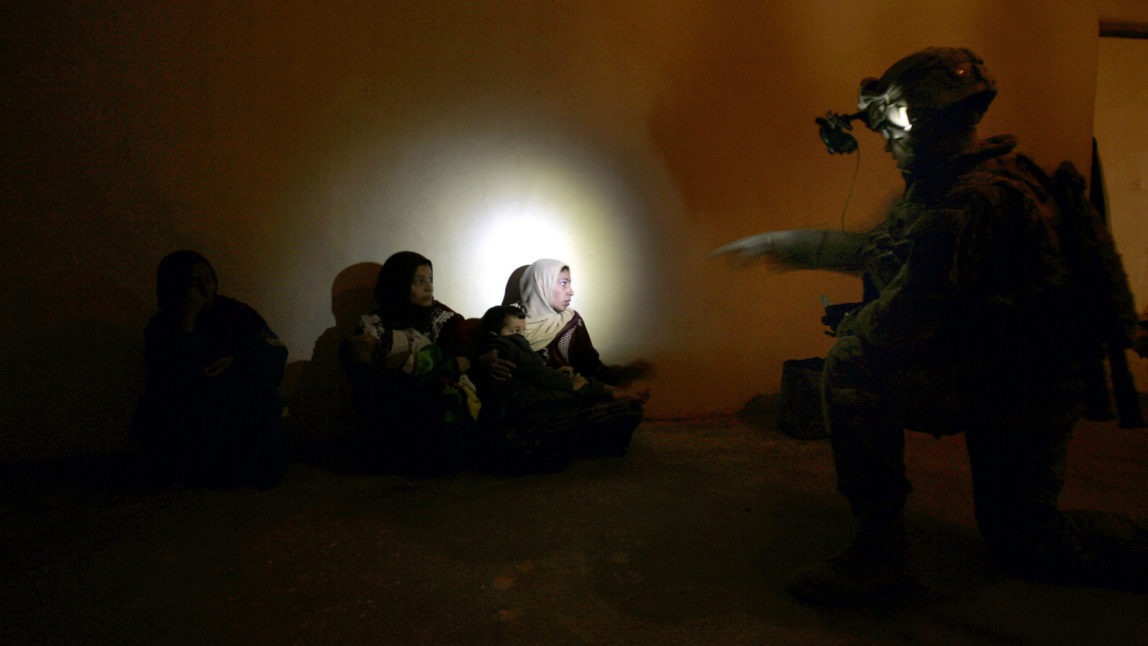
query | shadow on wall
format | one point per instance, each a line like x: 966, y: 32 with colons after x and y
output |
x: 71, y: 373
x: 317, y: 392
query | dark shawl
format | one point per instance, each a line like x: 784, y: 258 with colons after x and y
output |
x: 393, y: 294
x: 173, y: 271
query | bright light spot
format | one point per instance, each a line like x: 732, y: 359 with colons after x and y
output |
x: 505, y: 238
x: 482, y: 205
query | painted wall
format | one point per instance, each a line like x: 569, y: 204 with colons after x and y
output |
x: 1122, y: 138
x: 290, y: 141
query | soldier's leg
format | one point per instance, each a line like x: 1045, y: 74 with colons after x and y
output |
x: 868, y: 442
x: 868, y: 451
x: 1017, y: 477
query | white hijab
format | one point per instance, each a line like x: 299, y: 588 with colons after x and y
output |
x: 543, y: 323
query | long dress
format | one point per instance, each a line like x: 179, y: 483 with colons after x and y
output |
x: 225, y: 430
x: 535, y: 421
x: 419, y: 422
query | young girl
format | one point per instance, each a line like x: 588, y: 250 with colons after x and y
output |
x: 413, y: 407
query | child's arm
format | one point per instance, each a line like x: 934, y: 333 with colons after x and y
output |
x: 496, y: 367
x: 530, y: 368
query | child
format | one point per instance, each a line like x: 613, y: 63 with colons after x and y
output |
x: 540, y: 417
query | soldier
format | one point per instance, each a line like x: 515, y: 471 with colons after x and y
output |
x: 971, y: 322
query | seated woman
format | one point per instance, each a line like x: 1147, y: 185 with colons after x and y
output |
x: 406, y: 364
x: 541, y: 417
x: 211, y: 413
x: 558, y: 333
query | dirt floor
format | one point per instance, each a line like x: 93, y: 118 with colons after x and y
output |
x: 687, y: 540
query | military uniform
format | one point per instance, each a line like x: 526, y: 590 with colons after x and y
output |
x: 970, y: 326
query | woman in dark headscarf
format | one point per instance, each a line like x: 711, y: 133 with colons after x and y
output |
x: 211, y: 413
x: 405, y: 293
x: 406, y: 364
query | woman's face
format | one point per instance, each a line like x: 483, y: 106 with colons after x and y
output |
x: 562, y: 293
x: 199, y: 285
x: 422, y: 287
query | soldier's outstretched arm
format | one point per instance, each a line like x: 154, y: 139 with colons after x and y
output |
x: 800, y: 249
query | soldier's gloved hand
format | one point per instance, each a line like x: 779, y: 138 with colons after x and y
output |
x: 773, y: 244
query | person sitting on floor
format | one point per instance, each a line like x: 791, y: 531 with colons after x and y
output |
x: 540, y: 417
x: 414, y: 419
x: 558, y: 332
x: 211, y: 413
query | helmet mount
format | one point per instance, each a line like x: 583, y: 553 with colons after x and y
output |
x: 935, y: 90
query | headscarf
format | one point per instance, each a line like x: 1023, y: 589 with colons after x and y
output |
x: 543, y: 323
x: 172, y: 274
x: 393, y: 290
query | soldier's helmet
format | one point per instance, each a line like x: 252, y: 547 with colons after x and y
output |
x: 934, y: 85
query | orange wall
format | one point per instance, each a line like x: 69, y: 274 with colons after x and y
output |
x: 1122, y: 138
x: 288, y: 141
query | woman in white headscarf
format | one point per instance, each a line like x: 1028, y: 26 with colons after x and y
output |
x: 558, y: 333
x: 543, y: 433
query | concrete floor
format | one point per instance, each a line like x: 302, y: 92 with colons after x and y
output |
x: 687, y: 540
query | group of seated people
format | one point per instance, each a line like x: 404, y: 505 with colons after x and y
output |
x: 521, y: 389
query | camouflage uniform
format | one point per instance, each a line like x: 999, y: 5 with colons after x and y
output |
x: 969, y: 328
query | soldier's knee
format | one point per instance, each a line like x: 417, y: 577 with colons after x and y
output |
x: 849, y: 379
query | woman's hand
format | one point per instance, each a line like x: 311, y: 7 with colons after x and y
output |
x: 404, y: 361
x: 363, y: 348
x: 579, y: 381
x: 219, y: 366
x: 637, y: 395
x: 192, y: 303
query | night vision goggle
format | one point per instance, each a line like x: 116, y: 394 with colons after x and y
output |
x: 877, y: 110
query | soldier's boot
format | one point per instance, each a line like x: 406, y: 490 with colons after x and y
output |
x: 874, y: 569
